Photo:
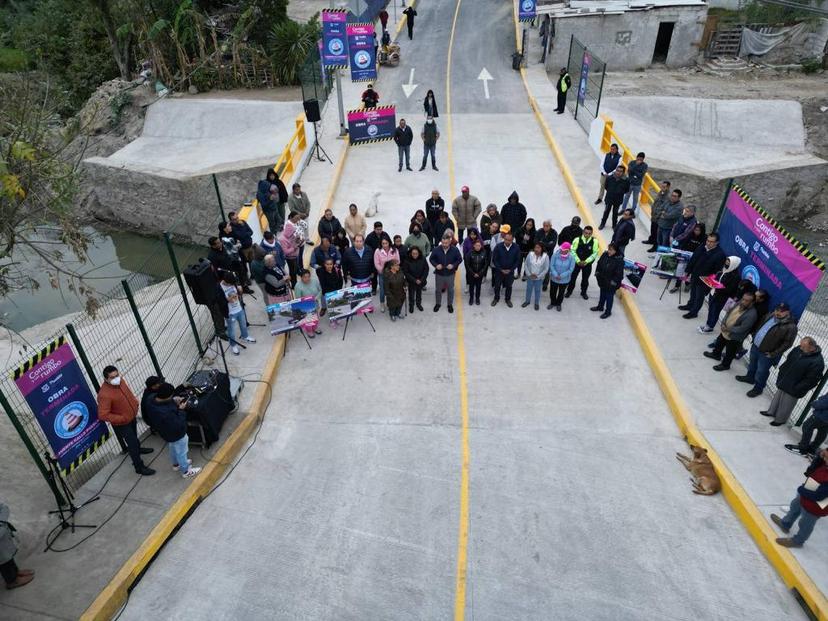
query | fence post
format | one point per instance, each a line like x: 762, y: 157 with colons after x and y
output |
x: 218, y: 196
x: 724, y: 203
x: 814, y: 397
x: 183, y: 291
x: 600, y: 91
x: 141, y: 328
x: 84, y: 359
x: 578, y: 90
x: 31, y: 448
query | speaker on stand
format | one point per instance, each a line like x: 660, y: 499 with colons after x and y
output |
x: 313, y: 115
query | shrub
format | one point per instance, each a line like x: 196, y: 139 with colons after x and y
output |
x: 290, y: 44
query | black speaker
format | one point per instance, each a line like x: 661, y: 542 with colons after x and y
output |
x: 312, y: 110
x: 201, y: 281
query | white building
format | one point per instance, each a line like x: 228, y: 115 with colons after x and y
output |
x: 626, y: 34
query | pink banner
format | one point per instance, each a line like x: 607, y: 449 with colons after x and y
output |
x: 773, y: 244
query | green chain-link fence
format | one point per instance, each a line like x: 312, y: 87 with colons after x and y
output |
x: 147, y: 325
x: 587, y: 73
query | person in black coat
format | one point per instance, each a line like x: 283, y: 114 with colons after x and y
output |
x: 801, y: 371
x: 477, y: 264
x: 403, y: 136
x: 570, y: 232
x: 513, y: 213
x: 415, y: 270
x: 153, y: 383
x: 328, y: 225
x: 616, y: 186
x: 430, y: 105
x: 330, y: 279
x: 443, y: 224
x: 563, y: 85
x: 706, y: 261
x: 609, y: 273
x: 433, y: 207
x: 170, y: 420
x: 624, y: 231
x: 272, y: 196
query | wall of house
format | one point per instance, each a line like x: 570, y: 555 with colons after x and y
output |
x: 627, y: 41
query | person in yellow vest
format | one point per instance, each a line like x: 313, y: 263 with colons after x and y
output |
x: 563, y: 85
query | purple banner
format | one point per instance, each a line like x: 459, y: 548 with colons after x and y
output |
x: 64, y: 407
x: 582, y: 86
x: 372, y: 124
x: 334, y: 38
x: 771, y: 258
x: 361, y: 52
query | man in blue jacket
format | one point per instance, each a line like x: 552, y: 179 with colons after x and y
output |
x: 358, y: 262
x: 635, y: 173
x: 706, y: 260
x: 325, y: 250
x: 445, y: 259
x: 505, y: 262
x: 170, y: 421
x: 611, y: 160
x: 817, y: 424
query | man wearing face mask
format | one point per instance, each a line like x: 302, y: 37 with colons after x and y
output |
x: 430, y: 135
x: 118, y: 407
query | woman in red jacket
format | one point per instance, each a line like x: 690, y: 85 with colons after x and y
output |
x: 809, y: 505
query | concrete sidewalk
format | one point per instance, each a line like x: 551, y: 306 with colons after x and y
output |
x: 751, y: 449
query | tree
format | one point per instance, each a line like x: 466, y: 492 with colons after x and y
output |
x: 120, y: 45
x: 37, y: 190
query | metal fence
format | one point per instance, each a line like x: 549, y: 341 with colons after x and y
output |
x: 813, y: 323
x: 147, y: 325
x: 316, y: 82
x: 587, y: 72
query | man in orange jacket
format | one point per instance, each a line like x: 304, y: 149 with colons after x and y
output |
x: 119, y: 407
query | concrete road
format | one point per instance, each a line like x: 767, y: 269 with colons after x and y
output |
x: 349, y: 505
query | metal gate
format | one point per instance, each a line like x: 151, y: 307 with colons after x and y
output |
x: 587, y: 73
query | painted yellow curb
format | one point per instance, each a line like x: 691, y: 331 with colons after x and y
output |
x: 113, y: 596
x: 746, y: 510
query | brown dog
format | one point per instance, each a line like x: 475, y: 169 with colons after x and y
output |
x: 705, y: 480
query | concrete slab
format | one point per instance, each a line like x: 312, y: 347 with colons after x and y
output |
x: 729, y: 420
x: 713, y: 137
x: 187, y: 137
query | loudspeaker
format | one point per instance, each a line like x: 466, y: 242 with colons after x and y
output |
x: 312, y: 110
x: 201, y: 281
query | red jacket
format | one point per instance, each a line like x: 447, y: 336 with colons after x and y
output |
x: 818, y: 470
x: 116, y: 404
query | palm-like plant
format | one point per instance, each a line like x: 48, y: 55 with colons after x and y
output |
x: 290, y: 44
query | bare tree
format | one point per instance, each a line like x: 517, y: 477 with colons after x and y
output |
x: 120, y: 45
x: 37, y: 188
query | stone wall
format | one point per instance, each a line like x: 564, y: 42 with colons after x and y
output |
x: 148, y: 203
x: 627, y: 41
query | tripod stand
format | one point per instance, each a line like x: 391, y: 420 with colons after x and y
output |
x: 67, y: 515
x: 317, y: 148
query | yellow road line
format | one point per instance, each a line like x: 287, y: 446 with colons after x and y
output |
x: 463, y: 529
x: 112, y: 597
x: 746, y: 510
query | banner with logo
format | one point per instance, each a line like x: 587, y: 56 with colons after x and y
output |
x: 582, y: 86
x: 361, y: 52
x: 772, y: 258
x: 66, y: 410
x: 334, y: 38
x: 528, y: 10
x: 371, y: 124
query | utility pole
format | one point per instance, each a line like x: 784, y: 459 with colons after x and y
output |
x: 342, y: 130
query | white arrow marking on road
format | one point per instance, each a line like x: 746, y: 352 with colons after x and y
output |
x: 409, y: 88
x: 485, y: 76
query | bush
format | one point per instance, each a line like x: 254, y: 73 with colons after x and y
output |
x: 13, y: 60
x: 290, y: 44
x: 811, y: 65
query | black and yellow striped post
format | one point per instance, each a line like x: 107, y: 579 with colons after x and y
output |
x: 27, y: 441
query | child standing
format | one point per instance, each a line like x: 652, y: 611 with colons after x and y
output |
x: 394, y: 289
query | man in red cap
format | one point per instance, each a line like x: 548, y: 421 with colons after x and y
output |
x: 465, y: 209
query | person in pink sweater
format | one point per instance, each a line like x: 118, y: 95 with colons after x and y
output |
x: 385, y: 253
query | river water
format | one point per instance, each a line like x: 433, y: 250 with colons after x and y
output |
x: 112, y: 256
